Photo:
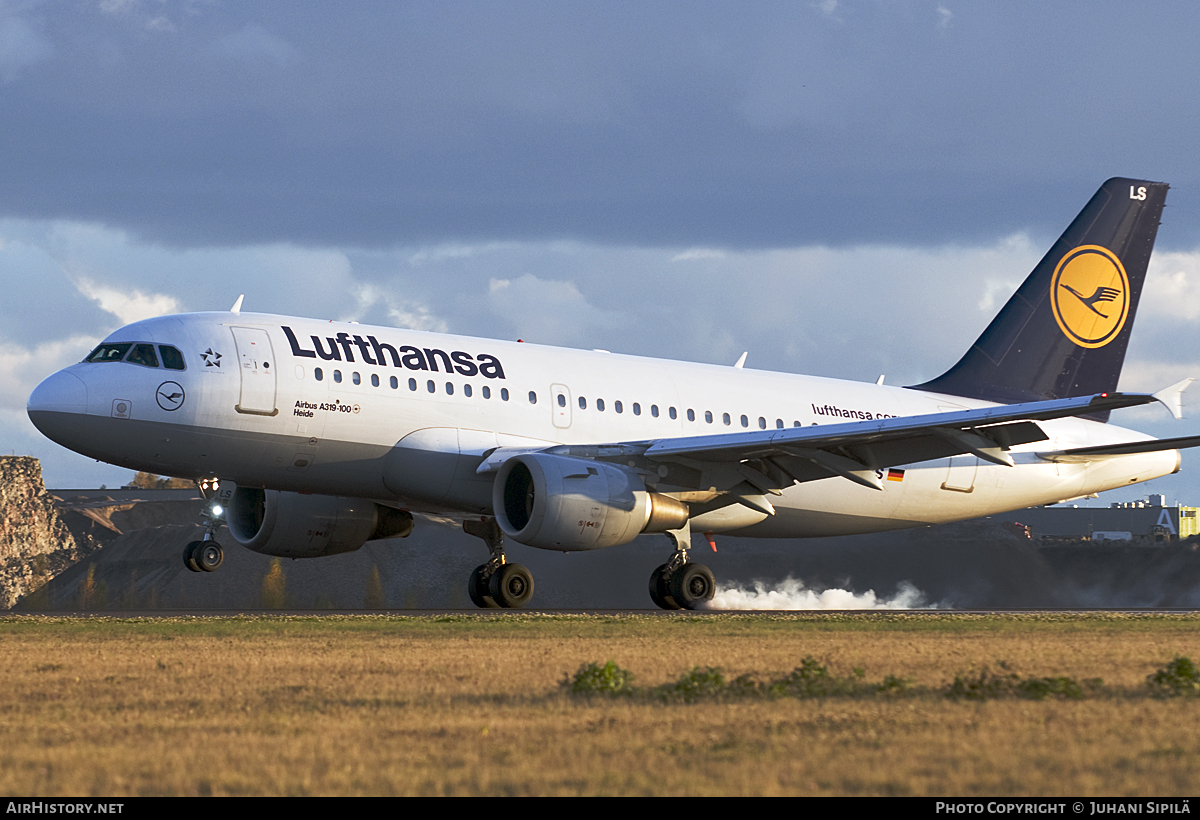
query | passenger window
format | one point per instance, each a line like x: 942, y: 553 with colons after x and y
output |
x: 708, y: 416
x: 745, y: 421
x: 637, y: 409
x: 394, y: 382
x: 725, y: 418
x: 582, y: 403
x: 762, y: 423
x: 617, y: 406
x: 691, y: 414
x: 449, y: 388
x: 354, y: 377
x: 779, y: 423
x: 374, y: 380
x: 412, y: 385
x: 503, y: 394
x: 654, y: 410
x: 430, y: 386
x: 532, y: 397
x: 467, y: 390
x: 337, y: 376
x: 600, y: 405
x: 318, y: 374
x: 109, y: 353
x: 671, y: 412
x: 172, y: 359
x: 143, y: 355
x: 487, y: 392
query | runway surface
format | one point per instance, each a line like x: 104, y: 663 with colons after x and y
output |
x: 434, y: 613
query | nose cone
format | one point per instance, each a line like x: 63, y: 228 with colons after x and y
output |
x: 55, y: 403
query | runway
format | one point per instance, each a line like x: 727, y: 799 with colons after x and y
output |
x: 865, y: 614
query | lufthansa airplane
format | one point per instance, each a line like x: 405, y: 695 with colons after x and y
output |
x: 324, y: 435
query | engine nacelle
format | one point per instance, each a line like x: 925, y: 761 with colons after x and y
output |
x: 563, y: 503
x: 292, y: 525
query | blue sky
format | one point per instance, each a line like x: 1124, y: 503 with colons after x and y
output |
x: 841, y: 188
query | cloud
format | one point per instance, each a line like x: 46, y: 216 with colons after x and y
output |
x: 128, y: 305
x: 21, y: 44
x: 254, y: 44
x: 407, y: 313
x: 829, y: 8
x: 549, y: 311
x: 698, y: 253
x: 22, y: 368
x: 1173, y: 285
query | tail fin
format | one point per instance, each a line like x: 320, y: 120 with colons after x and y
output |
x: 1065, y: 330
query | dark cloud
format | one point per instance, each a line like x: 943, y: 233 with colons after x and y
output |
x: 735, y: 124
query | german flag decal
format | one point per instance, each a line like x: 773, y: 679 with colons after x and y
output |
x: 895, y: 475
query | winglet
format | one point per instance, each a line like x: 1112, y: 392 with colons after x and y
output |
x: 1172, y: 397
x: 741, y: 362
x: 237, y: 306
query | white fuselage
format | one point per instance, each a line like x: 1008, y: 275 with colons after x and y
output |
x: 404, y: 417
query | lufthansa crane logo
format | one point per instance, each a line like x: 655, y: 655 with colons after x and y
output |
x: 1090, y: 295
x: 169, y: 395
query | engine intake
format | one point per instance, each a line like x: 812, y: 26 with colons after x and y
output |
x: 292, y: 525
x: 558, y: 502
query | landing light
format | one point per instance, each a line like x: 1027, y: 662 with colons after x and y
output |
x: 217, y: 510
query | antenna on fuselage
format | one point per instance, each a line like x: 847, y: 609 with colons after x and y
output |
x: 237, y: 306
x: 740, y: 363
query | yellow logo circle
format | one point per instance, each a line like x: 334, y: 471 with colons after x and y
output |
x: 1090, y: 295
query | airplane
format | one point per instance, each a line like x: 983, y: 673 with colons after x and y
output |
x: 322, y: 435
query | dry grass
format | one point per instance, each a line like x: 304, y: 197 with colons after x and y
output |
x: 472, y: 705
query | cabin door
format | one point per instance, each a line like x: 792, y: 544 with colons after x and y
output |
x: 256, y: 363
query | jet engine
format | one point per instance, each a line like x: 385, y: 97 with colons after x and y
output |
x: 292, y: 525
x: 564, y: 503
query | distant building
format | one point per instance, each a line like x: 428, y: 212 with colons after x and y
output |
x: 1140, y: 522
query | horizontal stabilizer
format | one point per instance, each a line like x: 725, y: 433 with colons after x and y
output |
x: 1129, y: 448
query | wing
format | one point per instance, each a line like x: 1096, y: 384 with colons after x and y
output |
x: 752, y: 465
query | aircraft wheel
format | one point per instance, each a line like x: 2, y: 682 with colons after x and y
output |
x: 208, y: 555
x: 511, y: 586
x: 658, y: 589
x: 477, y: 588
x: 692, y: 586
x: 189, y: 555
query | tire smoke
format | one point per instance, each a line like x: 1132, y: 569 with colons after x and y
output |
x: 791, y: 594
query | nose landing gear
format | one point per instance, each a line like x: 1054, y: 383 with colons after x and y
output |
x: 206, y: 554
x: 203, y: 556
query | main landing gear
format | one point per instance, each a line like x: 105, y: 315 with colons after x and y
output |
x: 680, y: 584
x: 497, y: 584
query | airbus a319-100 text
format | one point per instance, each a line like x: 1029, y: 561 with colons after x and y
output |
x: 325, y: 435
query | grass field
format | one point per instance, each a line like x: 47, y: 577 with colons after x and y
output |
x: 474, y: 705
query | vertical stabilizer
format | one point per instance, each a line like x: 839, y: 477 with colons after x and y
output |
x: 1065, y: 330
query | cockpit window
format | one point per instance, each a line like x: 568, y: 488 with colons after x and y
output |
x: 172, y: 359
x: 144, y: 355
x: 109, y: 352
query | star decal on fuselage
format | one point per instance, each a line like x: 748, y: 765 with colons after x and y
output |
x: 211, y: 358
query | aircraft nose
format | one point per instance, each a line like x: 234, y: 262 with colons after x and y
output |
x: 53, y: 403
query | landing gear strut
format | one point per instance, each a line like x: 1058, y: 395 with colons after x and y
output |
x: 497, y: 584
x: 680, y: 584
